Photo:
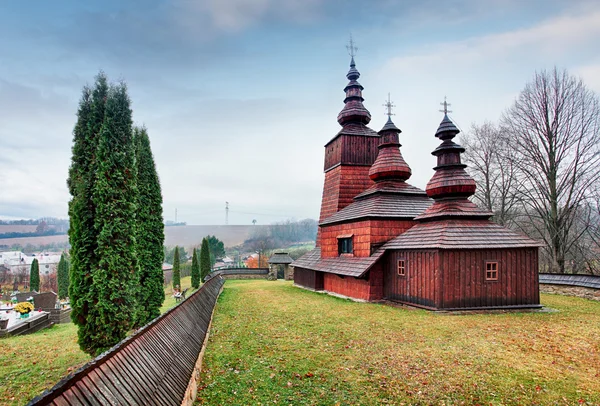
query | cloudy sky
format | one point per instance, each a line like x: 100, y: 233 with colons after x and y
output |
x: 240, y: 96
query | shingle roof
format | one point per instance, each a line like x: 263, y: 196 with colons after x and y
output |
x: 307, y: 260
x: 460, y: 234
x: 391, y: 186
x: 355, y: 129
x: 347, y: 266
x: 280, y: 258
x: 461, y: 208
x: 382, y: 205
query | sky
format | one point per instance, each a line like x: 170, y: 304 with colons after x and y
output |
x: 240, y: 96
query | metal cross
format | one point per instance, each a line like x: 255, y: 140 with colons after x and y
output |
x: 389, y: 106
x: 445, y: 104
x: 351, y: 47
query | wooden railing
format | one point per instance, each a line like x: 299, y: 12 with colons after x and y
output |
x: 154, y: 366
x: 239, y: 271
x: 586, y: 281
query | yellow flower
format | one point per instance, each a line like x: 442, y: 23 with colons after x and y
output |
x: 23, y: 307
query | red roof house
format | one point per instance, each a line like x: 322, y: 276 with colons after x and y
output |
x: 382, y: 238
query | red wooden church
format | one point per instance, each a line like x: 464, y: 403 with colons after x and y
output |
x: 382, y: 238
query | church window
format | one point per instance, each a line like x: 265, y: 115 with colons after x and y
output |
x: 401, y: 267
x: 345, y: 245
x: 491, y: 271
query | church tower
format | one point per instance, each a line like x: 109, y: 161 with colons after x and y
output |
x: 351, y: 152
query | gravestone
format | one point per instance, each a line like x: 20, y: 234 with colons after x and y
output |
x: 22, y: 297
x: 45, y: 301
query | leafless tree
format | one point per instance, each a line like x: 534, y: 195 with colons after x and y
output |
x: 491, y: 163
x: 554, y: 130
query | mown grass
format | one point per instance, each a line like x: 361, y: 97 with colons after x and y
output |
x: 32, y: 363
x: 274, y: 343
x: 186, y: 283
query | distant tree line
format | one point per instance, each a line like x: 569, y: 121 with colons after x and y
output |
x: 281, y: 234
x: 32, y: 234
x: 115, y: 212
x: 53, y: 221
x: 538, y: 169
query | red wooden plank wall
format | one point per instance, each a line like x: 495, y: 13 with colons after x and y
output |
x: 420, y: 284
x: 352, y: 150
x: 370, y: 288
x: 464, y: 283
x: 365, y: 233
x: 308, y: 278
x: 342, y: 183
x: 454, y: 279
x: 361, y: 243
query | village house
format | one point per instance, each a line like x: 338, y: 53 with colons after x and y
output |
x: 381, y: 238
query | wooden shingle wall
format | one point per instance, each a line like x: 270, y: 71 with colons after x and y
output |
x: 152, y: 367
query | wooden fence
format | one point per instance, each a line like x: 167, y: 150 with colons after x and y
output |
x: 158, y: 365
x: 585, y: 281
x: 240, y: 273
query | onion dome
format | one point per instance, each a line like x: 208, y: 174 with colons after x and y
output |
x: 353, y: 111
x: 450, y: 178
x: 389, y: 164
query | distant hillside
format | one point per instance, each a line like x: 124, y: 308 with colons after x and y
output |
x: 186, y: 236
x: 190, y: 236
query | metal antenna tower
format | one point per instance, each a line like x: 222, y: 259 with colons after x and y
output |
x: 226, y: 213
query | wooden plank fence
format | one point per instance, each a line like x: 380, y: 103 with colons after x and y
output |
x: 158, y: 365
x: 248, y: 272
x: 586, y: 281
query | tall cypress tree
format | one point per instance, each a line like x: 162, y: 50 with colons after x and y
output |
x: 150, y: 232
x: 115, y: 196
x: 34, y: 276
x: 82, y: 209
x: 195, y: 271
x: 176, y: 272
x: 204, y: 260
x: 63, y: 277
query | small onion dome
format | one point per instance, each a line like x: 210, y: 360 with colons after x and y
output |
x: 353, y: 111
x: 450, y: 178
x: 389, y: 164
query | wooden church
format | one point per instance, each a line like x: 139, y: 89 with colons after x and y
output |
x: 381, y: 238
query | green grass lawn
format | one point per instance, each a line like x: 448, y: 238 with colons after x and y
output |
x: 274, y: 343
x: 30, y: 364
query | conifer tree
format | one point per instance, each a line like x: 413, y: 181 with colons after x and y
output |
x: 34, y: 276
x: 195, y: 271
x: 204, y: 260
x: 176, y: 272
x: 115, y: 196
x: 150, y: 232
x: 63, y: 277
x: 82, y: 210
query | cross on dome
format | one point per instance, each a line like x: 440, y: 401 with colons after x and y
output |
x: 352, y: 49
x: 445, y: 104
x: 389, y: 106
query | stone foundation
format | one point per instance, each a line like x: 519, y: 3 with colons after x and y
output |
x: 587, y: 293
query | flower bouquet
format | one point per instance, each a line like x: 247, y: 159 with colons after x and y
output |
x: 24, y: 308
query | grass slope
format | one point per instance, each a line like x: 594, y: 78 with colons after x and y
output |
x: 274, y: 343
x: 33, y: 363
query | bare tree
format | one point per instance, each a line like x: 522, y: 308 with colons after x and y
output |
x: 492, y: 164
x: 554, y: 128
